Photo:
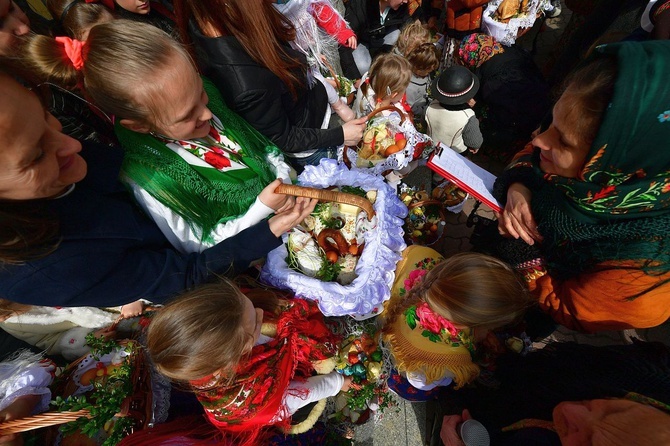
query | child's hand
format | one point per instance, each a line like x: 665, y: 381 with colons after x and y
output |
x: 347, y: 384
x: 352, y: 42
x: 278, y: 202
x: 353, y: 131
x: 283, y: 221
x: 21, y: 407
x: 132, y: 309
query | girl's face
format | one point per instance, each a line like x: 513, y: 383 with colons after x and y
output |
x: 562, y: 151
x: 36, y: 159
x: 252, y: 322
x: 13, y: 23
x: 181, y: 111
x: 135, y: 6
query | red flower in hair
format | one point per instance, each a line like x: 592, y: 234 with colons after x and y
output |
x: 216, y: 160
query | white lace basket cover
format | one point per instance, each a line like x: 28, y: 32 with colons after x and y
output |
x: 506, y: 33
x: 399, y: 159
x: 362, y: 298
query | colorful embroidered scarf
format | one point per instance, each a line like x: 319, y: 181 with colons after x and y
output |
x: 627, y: 173
x: 618, y: 209
x: 254, y: 399
x: 476, y: 48
x: 243, y: 162
x: 422, y: 340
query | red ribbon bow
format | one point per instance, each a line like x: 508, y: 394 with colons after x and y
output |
x: 73, y: 51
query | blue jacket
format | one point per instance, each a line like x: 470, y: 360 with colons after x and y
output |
x: 112, y: 254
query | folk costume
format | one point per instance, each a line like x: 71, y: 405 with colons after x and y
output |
x: 604, y: 263
x: 259, y: 394
x: 425, y: 346
x: 203, y: 191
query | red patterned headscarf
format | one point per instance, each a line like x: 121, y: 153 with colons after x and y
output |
x: 477, y: 48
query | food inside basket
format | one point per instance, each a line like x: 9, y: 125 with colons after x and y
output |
x: 510, y: 9
x: 425, y: 221
x: 379, y: 142
x: 329, y: 242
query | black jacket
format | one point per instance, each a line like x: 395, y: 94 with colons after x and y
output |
x: 261, y: 98
x: 364, y: 18
x: 111, y: 254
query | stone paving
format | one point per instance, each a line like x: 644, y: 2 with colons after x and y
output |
x: 407, y: 425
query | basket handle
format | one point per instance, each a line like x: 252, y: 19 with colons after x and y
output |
x: 327, y: 195
x: 388, y: 107
x: 332, y: 72
x: 45, y: 419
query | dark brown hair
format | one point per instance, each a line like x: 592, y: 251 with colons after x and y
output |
x: 256, y: 24
x: 79, y: 16
x: 588, y: 91
x: 26, y: 232
x: 425, y: 58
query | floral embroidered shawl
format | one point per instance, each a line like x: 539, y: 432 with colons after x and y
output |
x: 422, y: 340
x: 253, y: 400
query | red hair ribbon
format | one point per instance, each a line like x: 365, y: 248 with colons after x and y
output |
x: 107, y: 3
x: 73, y: 51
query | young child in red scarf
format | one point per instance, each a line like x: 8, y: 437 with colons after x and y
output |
x: 248, y: 358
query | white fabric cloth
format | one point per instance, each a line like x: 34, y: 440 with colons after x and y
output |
x: 31, y: 379
x: 447, y: 126
x: 418, y: 381
x: 58, y: 331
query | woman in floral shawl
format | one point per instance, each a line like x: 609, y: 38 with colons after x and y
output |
x: 599, y: 180
x: 440, y: 309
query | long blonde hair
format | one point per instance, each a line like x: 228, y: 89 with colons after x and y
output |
x: 201, y: 332
x: 75, y: 17
x: 471, y: 290
x: 123, y: 64
x: 388, y: 73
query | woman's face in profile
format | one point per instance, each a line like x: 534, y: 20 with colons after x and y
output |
x: 614, y: 422
x: 562, y: 151
x: 13, y: 23
x: 36, y: 159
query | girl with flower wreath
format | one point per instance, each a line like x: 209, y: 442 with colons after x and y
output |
x: 248, y: 357
x: 440, y: 310
x: 200, y: 171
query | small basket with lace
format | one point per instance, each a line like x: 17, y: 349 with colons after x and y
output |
x: 364, y: 282
x: 390, y: 142
x: 507, y: 20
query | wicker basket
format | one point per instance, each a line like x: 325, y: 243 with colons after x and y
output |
x: 351, y: 96
x: 426, y: 234
x: 332, y: 196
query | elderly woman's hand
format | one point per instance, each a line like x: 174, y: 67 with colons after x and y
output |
x: 449, y: 433
x: 517, y: 219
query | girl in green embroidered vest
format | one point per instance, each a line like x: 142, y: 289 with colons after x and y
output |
x: 199, y: 170
x: 440, y: 310
x: 588, y: 199
x: 247, y: 357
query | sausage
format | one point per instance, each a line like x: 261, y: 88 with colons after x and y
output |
x: 337, y: 237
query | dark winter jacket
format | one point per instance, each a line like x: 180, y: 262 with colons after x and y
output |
x: 364, y: 18
x: 263, y: 100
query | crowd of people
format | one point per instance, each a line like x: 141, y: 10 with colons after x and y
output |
x: 143, y: 143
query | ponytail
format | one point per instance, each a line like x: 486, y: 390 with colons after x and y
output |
x: 46, y: 58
